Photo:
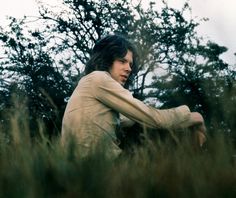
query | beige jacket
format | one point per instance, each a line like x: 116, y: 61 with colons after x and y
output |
x: 92, y: 113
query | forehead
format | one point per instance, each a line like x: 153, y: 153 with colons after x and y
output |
x: 129, y: 56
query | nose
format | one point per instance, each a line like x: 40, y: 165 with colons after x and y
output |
x: 128, y: 68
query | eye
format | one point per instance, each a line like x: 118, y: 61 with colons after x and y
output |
x: 122, y: 60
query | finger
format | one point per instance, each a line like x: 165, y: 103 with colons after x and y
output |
x: 201, y: 138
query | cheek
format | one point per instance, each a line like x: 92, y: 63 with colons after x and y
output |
x: 114, y: 69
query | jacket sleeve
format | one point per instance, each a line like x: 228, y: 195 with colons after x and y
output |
x: 113, y: 95
x: 126, y: 122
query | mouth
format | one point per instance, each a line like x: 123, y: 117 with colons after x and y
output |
x: 124, y: 78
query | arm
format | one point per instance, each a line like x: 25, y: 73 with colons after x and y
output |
x: 112, y: 94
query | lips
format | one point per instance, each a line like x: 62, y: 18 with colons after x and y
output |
x: 124, y: 78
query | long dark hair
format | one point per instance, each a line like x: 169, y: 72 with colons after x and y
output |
x: 107, y: 50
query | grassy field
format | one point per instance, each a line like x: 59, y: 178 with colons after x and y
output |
x: 41, y: 168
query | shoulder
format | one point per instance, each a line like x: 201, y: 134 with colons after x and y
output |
x: 98, y: 75
x: 96, y: 78
x: 101, y: 82
x: 101, y: 78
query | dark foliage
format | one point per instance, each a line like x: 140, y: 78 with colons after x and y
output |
x: 45, y: 64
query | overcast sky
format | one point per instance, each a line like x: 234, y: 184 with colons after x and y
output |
x: 221, y: 27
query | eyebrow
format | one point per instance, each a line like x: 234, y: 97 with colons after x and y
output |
x: 124, y: 59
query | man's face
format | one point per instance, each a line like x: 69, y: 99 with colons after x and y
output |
x: 121, y: 68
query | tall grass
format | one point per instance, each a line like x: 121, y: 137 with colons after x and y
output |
x: 43, y: 168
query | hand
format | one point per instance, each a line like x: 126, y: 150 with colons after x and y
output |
x: 198, y: 128
x: 196, y: 119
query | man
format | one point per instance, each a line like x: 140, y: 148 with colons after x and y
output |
x: 92, y: 115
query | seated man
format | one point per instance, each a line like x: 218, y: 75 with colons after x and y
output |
x: 93, y: 111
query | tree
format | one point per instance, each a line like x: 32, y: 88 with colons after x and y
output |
x: 48, y: 62
x: 201, y: 80
x: 30, y: 68
x: 160, y: 37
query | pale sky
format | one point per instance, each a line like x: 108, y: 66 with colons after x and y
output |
x: 221, y: 27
